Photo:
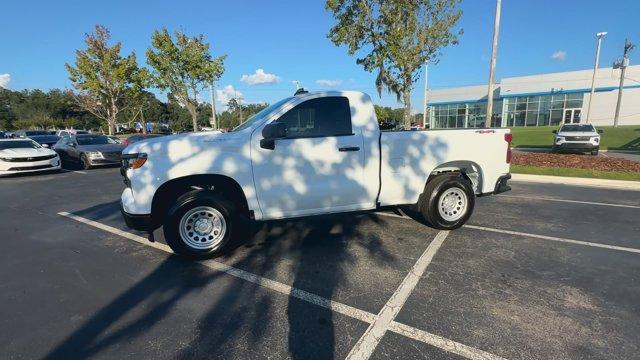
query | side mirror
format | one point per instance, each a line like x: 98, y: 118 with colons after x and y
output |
x: 555, y: 131
x: 270, y: 133
x: 600, y: 131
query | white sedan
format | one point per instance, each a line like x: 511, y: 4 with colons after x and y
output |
x: 25, y: 156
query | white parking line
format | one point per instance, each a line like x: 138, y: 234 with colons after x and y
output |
x: 536, y: 236
x: 442, y: 343
x: 570, y: 201
x: 369, y: 340
x: 350, y: 311
x: 74, y: 171
x: 553, y: 238
x: 215, y: 265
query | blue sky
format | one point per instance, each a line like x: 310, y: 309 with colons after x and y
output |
x: 287, y: 39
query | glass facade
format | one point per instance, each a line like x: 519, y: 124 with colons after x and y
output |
x: 539, y: 110
x: 463, y: 115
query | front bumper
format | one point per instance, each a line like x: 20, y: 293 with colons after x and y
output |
x: 9, y: 168
x: 580, y: 146
x: 100, y: 162
x: 137, y: 222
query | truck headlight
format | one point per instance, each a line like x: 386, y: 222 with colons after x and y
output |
x: 95, y: 155
x: 133, y: 161
x: 596, y: 139
x: 559, y: 139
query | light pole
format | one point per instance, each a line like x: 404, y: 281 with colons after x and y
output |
x: 424, y: 110
x: 214, y: 123
x: 492, y: 67
x: 622, y: 65
x: 599, y: 35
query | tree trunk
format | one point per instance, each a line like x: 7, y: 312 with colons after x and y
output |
x: 193, y: 110
x: 112, y: 126
x: 144, y: 123
x: 406, y: 99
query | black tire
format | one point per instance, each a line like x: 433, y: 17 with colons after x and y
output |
x: 183, y: 205
x: 84, y: 162
x: 554, y: 150
x: 433, y: 191
x: 594, y: 152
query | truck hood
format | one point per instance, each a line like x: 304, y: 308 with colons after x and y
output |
x: 188, y: 143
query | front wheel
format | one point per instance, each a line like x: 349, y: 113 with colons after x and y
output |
x: 84, y: 162
x: 594, y: 152
x: 200, y: 224
x: 448, y: 201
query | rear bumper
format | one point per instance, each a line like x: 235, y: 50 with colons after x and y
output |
x: 501, y: 184
x: 137, y: 222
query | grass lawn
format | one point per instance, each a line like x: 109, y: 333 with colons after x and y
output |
x: 612, y: 175
x: 620, y: 138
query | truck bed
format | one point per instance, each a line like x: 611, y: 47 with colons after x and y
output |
x: 409, y: 157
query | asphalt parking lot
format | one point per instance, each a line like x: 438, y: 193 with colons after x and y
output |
x: 544, y: 271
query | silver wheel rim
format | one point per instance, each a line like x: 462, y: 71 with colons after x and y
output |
x: 452, y: 204
x: 203, y: 228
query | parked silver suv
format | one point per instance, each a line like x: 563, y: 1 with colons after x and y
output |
x: 577, y: 137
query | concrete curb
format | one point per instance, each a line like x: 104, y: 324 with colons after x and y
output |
x: 576, y: 181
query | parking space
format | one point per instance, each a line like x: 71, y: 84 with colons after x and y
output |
x: 378, y: 285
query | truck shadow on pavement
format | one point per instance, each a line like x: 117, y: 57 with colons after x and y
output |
x: 242, y: 318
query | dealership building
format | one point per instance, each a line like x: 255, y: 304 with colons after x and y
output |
x: 540, y: 100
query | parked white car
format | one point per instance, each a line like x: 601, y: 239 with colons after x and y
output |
x: 23, y: 155
x: 577, y: 137
x: 310, y: 154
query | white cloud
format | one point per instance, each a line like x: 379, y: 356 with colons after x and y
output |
x: 328, y: 83
x: 260, y: 77
x: 559, y: 55
x: 4, y: 80
x: 227, y: 93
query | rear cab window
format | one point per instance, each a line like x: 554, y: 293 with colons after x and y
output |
x: 321, y: 117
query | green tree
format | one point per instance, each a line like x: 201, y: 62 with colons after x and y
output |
x: 183, y: 67
x: 395, y: 37
x: 103, y: 77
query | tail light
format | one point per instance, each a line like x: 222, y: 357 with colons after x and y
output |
x: 508, y: 138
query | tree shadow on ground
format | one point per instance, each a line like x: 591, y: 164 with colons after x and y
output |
x: 238, y: 320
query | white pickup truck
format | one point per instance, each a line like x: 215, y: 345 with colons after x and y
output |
x: 310, y: 154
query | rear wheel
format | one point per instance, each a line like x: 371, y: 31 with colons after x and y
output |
x: 200, y: 224
x: 448, y: 201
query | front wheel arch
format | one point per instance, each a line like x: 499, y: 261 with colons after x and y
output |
x: 168, y: 193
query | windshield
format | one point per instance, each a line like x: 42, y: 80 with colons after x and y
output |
x: 577, y: 128
x: 36, y: 132
x: 21, y: 144
x: 94, y: 140
x: 259, y: 115
x: 44, y: 137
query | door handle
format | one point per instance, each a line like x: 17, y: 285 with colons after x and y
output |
x: 349, y: 148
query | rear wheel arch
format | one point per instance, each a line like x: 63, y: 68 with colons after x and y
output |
x: 468, y: 169
x: 169, y: 192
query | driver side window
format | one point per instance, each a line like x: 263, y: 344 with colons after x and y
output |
x: 321, y: 117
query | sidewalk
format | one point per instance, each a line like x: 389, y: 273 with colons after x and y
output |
x: 576, y: 181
